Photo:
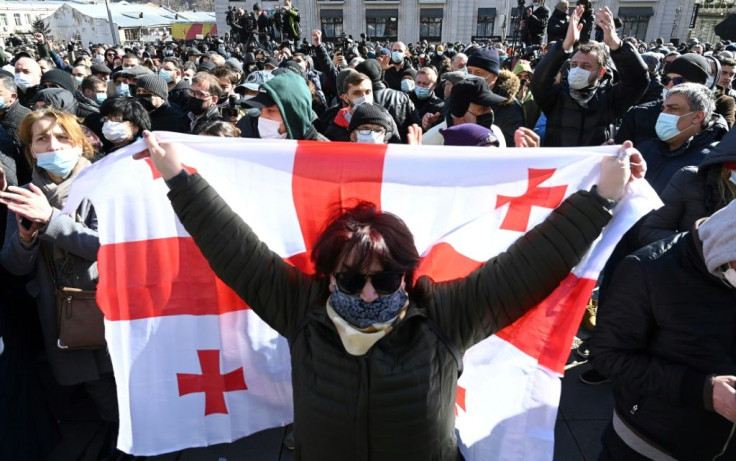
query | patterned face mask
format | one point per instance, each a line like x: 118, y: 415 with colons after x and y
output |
x: 363, y: 314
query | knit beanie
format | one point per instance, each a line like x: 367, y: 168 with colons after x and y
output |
x: 693, y: 67
x: 370, y: 114
x: 372, y: 69
x: 719, y: 238
x: 468, y: 134
x: 60, y: 77
x: 154, y: 84
x: 487, y: 59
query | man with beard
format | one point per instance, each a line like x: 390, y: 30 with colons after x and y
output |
x: 153, y: 94
x: 582, y: 107
x: 205, y: 93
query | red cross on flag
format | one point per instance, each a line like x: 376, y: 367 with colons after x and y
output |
x: 191, y: 357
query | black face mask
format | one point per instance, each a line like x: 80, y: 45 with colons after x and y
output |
x: 196, y: 106
x: 146, y: 101
x: 485, y: 120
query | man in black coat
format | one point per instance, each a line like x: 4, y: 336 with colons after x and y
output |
x: 665, y: 338
x: 152, y: 93
x: 558, y: 22
x: 11, y: 110
x: 638, y: 124
x: 581, y: 109
x: 535, y: 23
x: 397, y: 103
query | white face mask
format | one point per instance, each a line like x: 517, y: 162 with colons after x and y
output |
x: 710, y: 81
x: 187, y: 79
x: 372, y: 137
x: 367, y: 99
x: 269, y: 129
x: 23, y: 81
x: 115, y: 132
x: 730, y: 276
x: 732, y: 178
x: 578, y: 78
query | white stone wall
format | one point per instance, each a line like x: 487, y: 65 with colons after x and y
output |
x: 32, y: 9
x: 460, y: 16
x: 67, y: 22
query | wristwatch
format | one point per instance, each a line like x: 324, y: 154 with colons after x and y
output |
x: 607, y: 203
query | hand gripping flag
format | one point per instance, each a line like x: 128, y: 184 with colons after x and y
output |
x: 190, y: 357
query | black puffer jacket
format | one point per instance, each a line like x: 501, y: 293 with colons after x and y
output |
x: 668, y: 324
x: 692, y: 193
x: 557, y: 26
x: 396, y: 402
x: 662, y: 163
x: 169, y: 118
x: 398, y: 104
x: 569, y: 124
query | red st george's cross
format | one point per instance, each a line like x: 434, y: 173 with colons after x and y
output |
x: 316, y: 194
x: 520, y: 208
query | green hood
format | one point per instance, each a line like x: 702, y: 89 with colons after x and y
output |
x: 294, y: 100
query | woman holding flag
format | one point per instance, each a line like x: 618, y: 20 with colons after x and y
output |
x: 375, y: 354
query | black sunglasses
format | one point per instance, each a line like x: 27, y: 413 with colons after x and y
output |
x: 677, y: 80
x: 384, y: 282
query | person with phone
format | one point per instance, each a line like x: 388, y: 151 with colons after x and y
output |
x: 40, y: 238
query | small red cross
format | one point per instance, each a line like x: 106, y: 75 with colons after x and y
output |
x: 460, y: 400
x: 517, y: 218
x: 211, y: 382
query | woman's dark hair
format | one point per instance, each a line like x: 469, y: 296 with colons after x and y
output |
x: 130, y: 109
x: 366, y: 235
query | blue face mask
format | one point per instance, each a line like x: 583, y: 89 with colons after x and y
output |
x: 59, y: 162
x: 364, y: 314
x: 3, y: 106
x: 407, y: 86
x: 422, y: 92
x: 123, y: 89
x: 397, y: 56
x: 100, y: 97
x: 165, y: 75
x: 666, y: 126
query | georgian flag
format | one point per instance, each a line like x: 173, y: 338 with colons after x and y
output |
x: 190, y: 356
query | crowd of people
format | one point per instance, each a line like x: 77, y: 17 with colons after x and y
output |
x: 663, y: 331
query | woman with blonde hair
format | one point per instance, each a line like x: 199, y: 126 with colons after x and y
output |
x: 46, y: 245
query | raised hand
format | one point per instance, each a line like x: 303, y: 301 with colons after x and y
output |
x: 165, y: 156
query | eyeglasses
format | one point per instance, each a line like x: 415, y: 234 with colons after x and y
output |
x: 200, y: 95
x: 367, y: 131
x: 676, y: 80
x: 384, y: 282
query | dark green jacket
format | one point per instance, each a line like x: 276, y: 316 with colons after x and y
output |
x: 397, y: 401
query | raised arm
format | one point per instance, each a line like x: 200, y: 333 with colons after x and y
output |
x: 278, y: 292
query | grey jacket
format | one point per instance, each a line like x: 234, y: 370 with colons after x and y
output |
x: 78, y: 243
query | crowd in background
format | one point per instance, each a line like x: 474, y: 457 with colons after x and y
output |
x: 64, y: 106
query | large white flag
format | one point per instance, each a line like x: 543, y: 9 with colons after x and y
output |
x: 191, y: 357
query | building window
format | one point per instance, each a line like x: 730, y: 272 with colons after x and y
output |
x: 331, y: 21
x: 635, y: 21
x: 382, y: 24
x: 28, y: 19
x: 132, y: 34
x: 3, y: 20
x: 486, y: 22
x: 16, y: 16
x: 430, y: 24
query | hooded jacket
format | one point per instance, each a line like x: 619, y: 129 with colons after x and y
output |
x: 665, y: 325
x: 294, y: 100
x: 59, y: 98
x: 557, y: 26
x: 692, y: 193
